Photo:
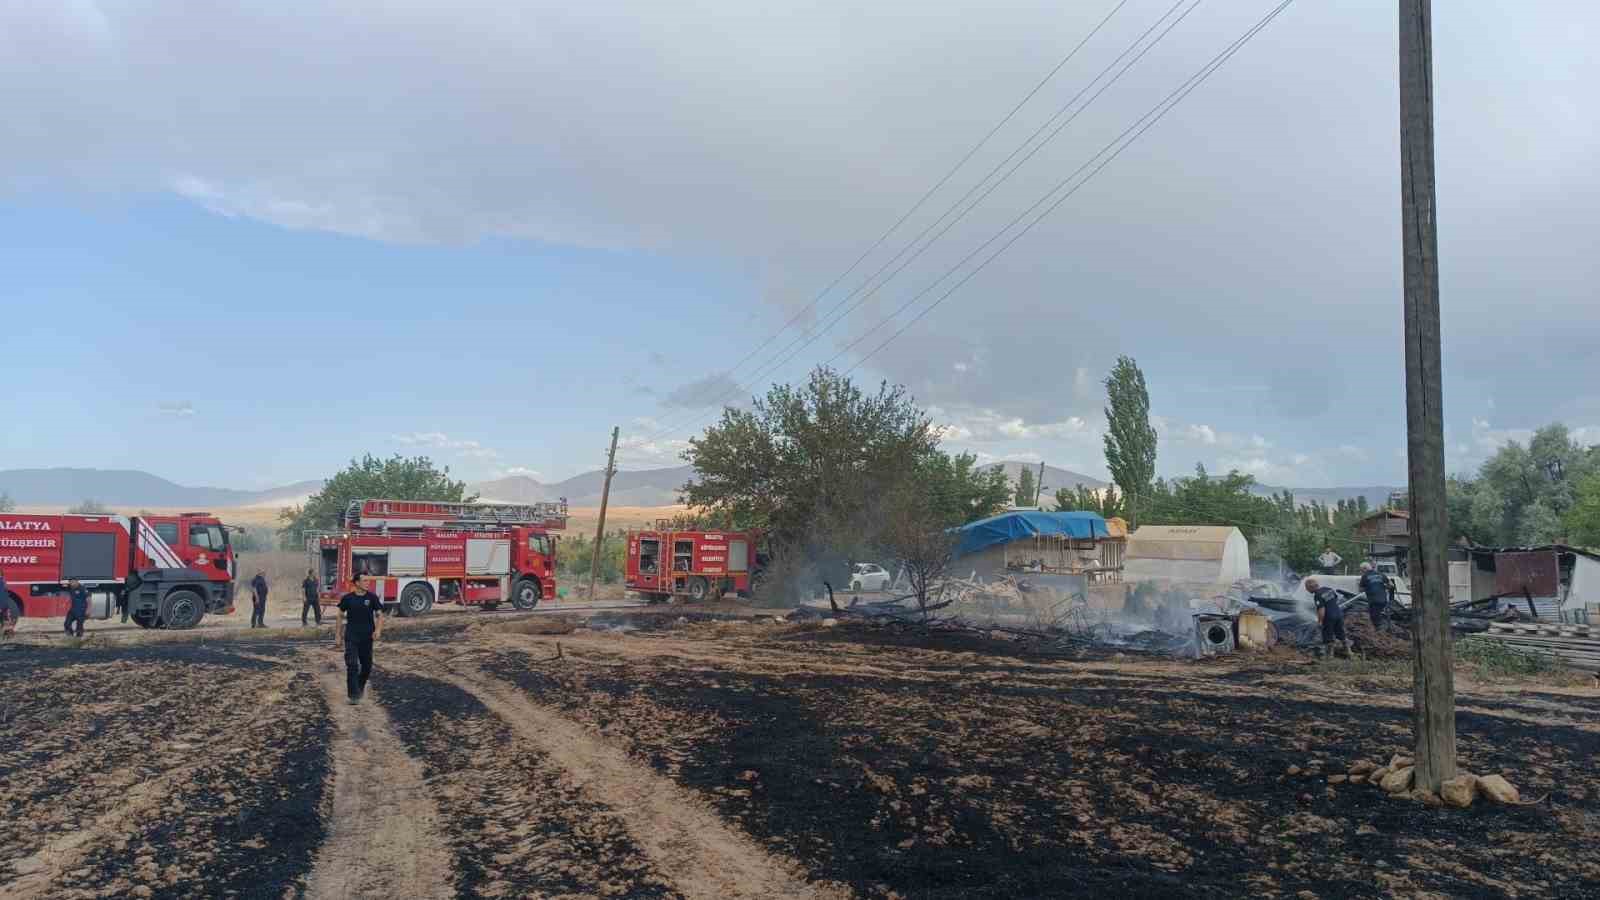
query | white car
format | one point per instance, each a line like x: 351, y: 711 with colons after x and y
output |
x: 869, y: 577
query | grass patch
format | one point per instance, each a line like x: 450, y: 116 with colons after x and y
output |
x: 1492, y: 659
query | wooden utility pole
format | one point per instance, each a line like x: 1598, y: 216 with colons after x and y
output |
x: 1433, y: 683
x: 1038, y: 486
x: 600, y: 529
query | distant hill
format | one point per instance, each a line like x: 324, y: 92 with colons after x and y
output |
x: 648, y: 487
x: 129, y: 487
x: 1054, y: 478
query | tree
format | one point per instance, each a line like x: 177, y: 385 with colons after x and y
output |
x: 960, y: 490
x: 912, y: 534
x: 1583, y: 519
x: 1107, y: 502
x: 369, y: 478
x: 811, y: 465
x: 576, y: 557
x: 88, y: 508
x: 1130, y: 439
x: 6, y: 503
x: 1025, y: 491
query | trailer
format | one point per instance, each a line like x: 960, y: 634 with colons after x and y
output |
x: 663, y: 563
x: 415, y: 554
x: 159, y: 571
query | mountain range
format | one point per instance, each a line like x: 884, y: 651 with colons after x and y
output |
x: 648, y: 487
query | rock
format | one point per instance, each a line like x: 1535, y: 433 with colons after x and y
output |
x: 1339, y: 779
x: 27, y: 865
x: 1399, y: 780
x: 1498, y: 789
x: 1295, y: 770
x: 1366, y: 830
x: 142, y: 891
x: 1427, y: 798
x: 1364, y: 767
x: 1400, y: 761
x: 1378, y: 774
x: 1358, y: 779
x: 1459, y: 791
x: 829, y: 623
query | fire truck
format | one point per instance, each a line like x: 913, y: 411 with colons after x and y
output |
x: 416, y: 553
x: 663, y: 563
x: 169, y: 571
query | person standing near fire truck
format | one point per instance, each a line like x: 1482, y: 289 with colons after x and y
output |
x: 312, y: 604
x: 258, y: 600
x: 360, y: 624
x: 9, y: 611
x: 77, y: 608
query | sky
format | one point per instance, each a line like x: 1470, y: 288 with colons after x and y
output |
x: 241, y: 243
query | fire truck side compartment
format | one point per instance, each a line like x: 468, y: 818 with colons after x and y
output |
x: 408, y: 560
x: 88, y: 556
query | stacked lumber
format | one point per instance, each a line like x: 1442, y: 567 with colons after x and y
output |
x: 1576, y: 645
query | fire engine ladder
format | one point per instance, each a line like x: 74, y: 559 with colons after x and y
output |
x: 454, y: 513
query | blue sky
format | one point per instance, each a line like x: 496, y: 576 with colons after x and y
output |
x: 241, y: 243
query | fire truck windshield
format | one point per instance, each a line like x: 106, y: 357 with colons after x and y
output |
x: 208, y: 537
x: 542, y: 545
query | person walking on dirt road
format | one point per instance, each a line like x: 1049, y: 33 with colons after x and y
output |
x: 1330, y: 615
x: 77, y: 609
x: 258, y: 600
x: 312, y: 604
x: 360, y: 624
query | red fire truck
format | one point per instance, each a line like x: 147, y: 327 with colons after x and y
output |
x: 663, y: 563
x: 415, y: 553
x: 169, y: 570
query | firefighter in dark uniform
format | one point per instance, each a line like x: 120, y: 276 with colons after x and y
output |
x: 360, y: 625
x: 9, y: 611
x: 1330, y: 615
x: 312, y: 604
x: 1376, y: 587
x: 77, y: 609
x: 258, y: 600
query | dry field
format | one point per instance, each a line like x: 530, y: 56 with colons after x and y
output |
x: 674, y: 755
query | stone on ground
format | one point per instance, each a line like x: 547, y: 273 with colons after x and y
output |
x: 1399, y: 780
x: 1498, y: 789
x: 1460, y: 790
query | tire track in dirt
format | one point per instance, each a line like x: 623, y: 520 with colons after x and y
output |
x: 384, y: 837
x: 708, y: 858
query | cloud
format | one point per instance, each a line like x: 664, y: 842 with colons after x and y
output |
x: 518, y: 472
x: 437, y: 440
x: 180, y: 408
x: 390, y: 122
x: 710, y: 391
x: 1199, y: 434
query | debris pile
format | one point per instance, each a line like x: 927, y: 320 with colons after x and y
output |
x: 1577, y: 646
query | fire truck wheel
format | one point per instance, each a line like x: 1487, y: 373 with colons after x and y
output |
x: 527, y: 594
x: 415, y: 600
x: 182, y: 609
x: 698, y: 589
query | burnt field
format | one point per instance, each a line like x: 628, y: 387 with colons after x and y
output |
x: 718, y: 759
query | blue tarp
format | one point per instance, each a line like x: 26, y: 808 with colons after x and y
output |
x: 1013, y: 526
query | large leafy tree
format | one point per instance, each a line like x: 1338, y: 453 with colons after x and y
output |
x: 1524, y: 495
x: 1107, y: 502
x: 1130, y: 438
x: 369, y: 478
x: 818, y: 467
x: 1583, y: 519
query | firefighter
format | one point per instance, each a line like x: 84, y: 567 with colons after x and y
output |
x: 1330, y: 615
x: 360, y: 624
x: 1376, y: 588
x: 258, y: 600
x: 77, y: 609
x: 9, y: 611
x: 312, y: 604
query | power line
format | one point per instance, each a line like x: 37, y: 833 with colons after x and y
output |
x: 862, y: 293
x: 1004, y: 120
x: 1110, y: 152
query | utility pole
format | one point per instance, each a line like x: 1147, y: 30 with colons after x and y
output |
x: 1433, y: 682
x: 1038, y: 486
x: 600, y: 529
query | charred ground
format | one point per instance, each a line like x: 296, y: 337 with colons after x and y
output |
x: 859, y: 760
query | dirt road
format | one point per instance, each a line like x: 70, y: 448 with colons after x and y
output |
x: 668, y: 759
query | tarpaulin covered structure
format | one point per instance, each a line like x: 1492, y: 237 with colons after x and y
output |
x: 1008, y: 527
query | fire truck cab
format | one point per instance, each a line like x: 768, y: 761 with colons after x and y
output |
x: 164, y: 571
x: 414, y: 554
x: 663, y: 563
